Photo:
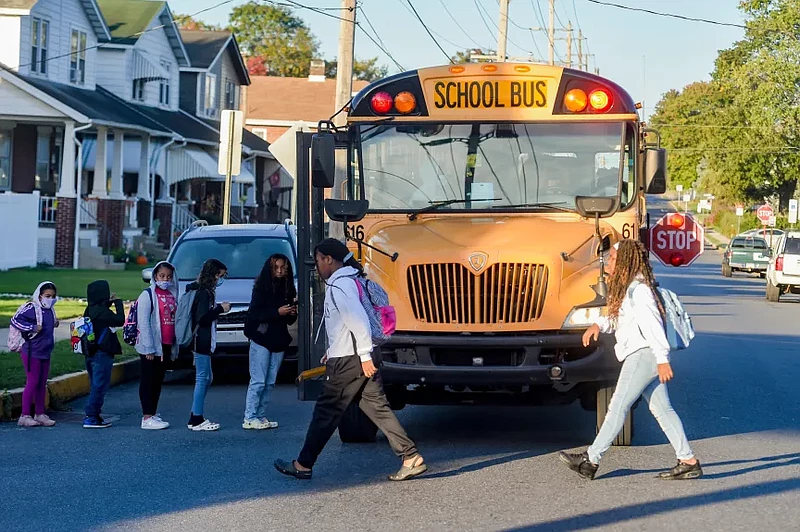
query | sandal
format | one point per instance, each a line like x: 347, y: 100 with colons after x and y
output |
x: 409, y: 472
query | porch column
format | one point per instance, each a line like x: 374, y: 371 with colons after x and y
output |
x: 111, y: 211
x: 143, y: 190
x: 67, y: 187
x: 116, y: 166
x: 65, y: 210
x: 99, y: 188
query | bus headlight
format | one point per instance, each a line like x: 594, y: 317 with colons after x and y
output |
x: 580, y: 318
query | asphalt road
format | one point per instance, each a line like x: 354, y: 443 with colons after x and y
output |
x: 736, y: 390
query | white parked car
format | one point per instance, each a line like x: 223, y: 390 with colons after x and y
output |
x: 783, y: 272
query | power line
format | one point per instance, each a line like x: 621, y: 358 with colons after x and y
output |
x: 669, y: 15
x: 429, y: 31
x: 575, y: 10
x: 465, y: 32
x: 442, y: 37
x: 115, y: 40
x: 481, y: 12
x: 533, y: 36
x: 361, y: 7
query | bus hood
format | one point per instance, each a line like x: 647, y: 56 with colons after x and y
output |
x: 501, y: 274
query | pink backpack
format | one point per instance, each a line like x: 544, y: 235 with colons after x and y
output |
x: 382, y: 316
x: 15, y: 338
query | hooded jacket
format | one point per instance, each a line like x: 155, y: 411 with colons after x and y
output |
x: 37, y: 344
x: 148, y: 317
x: 265, y: 326
x: 346, y: 321
x: 205, y: 312
x: 98, y: 297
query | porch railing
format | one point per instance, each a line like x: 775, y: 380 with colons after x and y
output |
x: 47, y: 209
x: 89, y: 208
x: 131, y: 214
x: 182, y: 218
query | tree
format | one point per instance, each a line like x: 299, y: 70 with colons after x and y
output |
x: 466, y: 56
x: 275, y: 35
x: 363, y: 69
x: 185, y: 22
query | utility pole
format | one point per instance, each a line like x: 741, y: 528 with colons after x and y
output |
x: 344, y: 61
x: 502, y: 37
x: 580, y: 50
x: 569, y: 45
x: 551, y: 33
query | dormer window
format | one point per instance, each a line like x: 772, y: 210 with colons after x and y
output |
x: 138, y: 90
x: 39, y: 42
x: 211, y: 95
x: 230, y: 95
x: 163, y: 85
x: 77, y: 57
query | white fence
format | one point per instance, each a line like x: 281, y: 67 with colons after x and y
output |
x: 19, y: 247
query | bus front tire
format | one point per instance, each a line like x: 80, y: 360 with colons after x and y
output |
x: 356, y: 427
x: 625, y: 436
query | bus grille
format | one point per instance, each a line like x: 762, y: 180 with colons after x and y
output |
x: 451, y: 293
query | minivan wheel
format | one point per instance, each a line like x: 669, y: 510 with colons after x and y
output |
x: 625, y: 436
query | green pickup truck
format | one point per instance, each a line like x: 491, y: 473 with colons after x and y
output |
x: 746, y: 253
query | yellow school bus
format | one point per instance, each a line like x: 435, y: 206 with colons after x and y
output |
x: 482, y: 198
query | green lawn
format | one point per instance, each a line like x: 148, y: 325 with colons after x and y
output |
x: 64, y: 309
x: 63, y: 361
x: 127, y: 284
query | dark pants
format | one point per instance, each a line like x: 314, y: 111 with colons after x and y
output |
x: 99, y: 367
x: 153, y: 372
x: 344, y: 381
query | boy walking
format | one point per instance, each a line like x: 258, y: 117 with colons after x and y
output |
x: 350, y: 371
x: 100, y: 363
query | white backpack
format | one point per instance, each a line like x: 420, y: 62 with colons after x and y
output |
x: 677, y: 324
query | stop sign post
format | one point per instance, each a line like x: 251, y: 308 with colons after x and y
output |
x: 765, y: 214
x: 677, y: 239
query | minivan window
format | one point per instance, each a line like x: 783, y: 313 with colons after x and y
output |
x: 243, y: 255
x: 792, y: 246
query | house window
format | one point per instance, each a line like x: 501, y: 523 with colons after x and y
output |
x: 163, y: 87
x: 211, y: 95
x: 77, y: 57
x: 230, y: 95
x: 260, y: 132
x: 5, y: 159
x: 42, y: 160
x: 138, y: 90
x: 39, y: 42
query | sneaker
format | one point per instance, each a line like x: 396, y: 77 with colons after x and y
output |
x: 154, y: 423
x: 269, y: 424
x: 44, y: 420
x: 682, y: 472
x: 27, y: 421
x: 579, y: 462
x: 95, y: 422
x: 206, y: 425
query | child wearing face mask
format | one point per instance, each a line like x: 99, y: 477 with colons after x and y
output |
x: 37, y: 321
x: 155, y: 341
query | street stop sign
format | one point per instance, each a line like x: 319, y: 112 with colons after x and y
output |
x: 764, y: 213
x: 677, y: 239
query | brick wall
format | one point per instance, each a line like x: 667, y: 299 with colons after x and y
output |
x: 111, y: 220
x: 163, y: 214
x: 65, y: 232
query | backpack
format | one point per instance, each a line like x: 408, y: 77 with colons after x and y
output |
x: 15, y: 337
x: 130, y: 331
x: 677, y: 323
x: 678, y: 326
x: 184, y: 331
x: 375, y: 301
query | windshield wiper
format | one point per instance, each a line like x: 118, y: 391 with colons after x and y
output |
x: 443, y: 203
x: 544, y: 205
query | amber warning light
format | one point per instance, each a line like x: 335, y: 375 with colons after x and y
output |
x: 577, y: 101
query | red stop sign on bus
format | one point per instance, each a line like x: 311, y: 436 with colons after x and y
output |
x: 677, y: 239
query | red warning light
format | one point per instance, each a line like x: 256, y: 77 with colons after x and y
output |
x: 382, y: 102
x: 676, y: 259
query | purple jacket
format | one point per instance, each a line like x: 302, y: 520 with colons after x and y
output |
x: 36, y: 345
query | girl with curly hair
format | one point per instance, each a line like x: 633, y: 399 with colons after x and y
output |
x: 636, y: 316
x: 205, y: 312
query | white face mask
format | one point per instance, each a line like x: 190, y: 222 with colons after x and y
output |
x: 164, y: 285
x: 48, y: 302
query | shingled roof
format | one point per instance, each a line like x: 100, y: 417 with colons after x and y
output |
x: 278, y: 98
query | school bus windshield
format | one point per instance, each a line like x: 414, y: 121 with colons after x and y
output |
x: 494, y: 166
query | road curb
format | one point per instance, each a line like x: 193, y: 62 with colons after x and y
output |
x: 67, y: 387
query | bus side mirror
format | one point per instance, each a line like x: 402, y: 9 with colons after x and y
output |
x: 655, y: 170
x: 323, y: 160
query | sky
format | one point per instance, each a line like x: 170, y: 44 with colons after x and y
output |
x: 645, y: 54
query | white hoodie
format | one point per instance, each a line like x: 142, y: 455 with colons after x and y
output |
x: 346, y: 320
x: 149, y: 342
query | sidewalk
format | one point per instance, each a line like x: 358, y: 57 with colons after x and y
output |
x: 61, y: 333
